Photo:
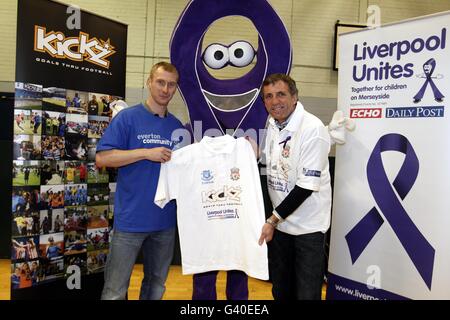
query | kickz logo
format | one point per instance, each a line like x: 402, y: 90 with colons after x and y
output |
x: 225, y: 194
x: 81, y: 48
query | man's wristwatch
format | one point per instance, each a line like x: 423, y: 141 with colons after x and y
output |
x: 271, y: 222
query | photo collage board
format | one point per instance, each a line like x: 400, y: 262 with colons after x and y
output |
x: 62, y: 204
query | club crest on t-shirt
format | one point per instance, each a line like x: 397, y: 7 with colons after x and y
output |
x: 207, y: 176
x: 286, y: 151
x: 235, y: 175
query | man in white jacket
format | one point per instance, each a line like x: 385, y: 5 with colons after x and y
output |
x: 296, y: 151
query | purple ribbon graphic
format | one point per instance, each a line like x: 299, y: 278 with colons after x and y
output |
x: 417, y: 247
x: 285, y: 141
x: 428, y: 69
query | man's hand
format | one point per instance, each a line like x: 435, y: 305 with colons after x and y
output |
x: 266, y: 233
x: 159, y: 154
x: 118, y: 158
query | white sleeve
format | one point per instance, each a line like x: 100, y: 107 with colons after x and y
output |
x: 313, y: 159
x: 164, y: 191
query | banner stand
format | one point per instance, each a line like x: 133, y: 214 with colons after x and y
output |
x: 68, y: 72
x: 389, y: 237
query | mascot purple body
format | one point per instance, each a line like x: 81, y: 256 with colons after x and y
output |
x: 231, y: 103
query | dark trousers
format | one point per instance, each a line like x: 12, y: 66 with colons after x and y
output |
x: 204, y: 285
x: 296, y: 265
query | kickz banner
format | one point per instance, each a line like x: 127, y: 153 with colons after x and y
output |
x: 389, y: 236
x: 54, y: 51
x: 70, y: 70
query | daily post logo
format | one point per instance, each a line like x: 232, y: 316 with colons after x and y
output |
x: 81, y: 48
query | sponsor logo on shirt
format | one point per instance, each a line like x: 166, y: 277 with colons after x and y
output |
x: 225, y: 194
x: 154, y: 139
x: 311, y: 173
x: 277, y: 184
x: 223, y: 214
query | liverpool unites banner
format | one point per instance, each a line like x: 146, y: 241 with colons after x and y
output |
x: 70, y: 67
x: 389, y: 237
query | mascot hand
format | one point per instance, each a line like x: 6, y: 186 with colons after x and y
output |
x: 338, y: 126
x: 117, y: 106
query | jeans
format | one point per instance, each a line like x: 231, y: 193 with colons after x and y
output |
x: 157, y: 250
x: 204, y: 285
x: 296, y: 265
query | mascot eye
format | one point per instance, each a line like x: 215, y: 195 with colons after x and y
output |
x: 241, y: 53
x: 216, y: 56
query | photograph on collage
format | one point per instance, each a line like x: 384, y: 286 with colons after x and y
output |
x: 53, y: 148
x: 25, y: 274
x: 75, y: 218
x: 97, y: 126
x: 96, y: 260
x: 52, y: 172
x: 54, y: 99
x: 26, y: 173
x: 25, y: 199
x: 76, y: 101
x: 52, y: 197
x: 27, y: 147
x: 75, y: 172
x: 51, y: 246
x: 51, y: 254
x: 98, y: 217
x: 25, y: 223
x: 75, y: 147
x: 98, y: 238
x: 53, y: 123
x: 97, y: 175
x: 75, y: 194
x: 27, y: 96
x: 75, y: 242
x: 77, y: 124
x: 52, y: 221
x: 99, y: 104
x: 27, y: 121
x: 98, y: 194
x: 24, y: 248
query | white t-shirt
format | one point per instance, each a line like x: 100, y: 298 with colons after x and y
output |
x: 220, y: 206
x: 298, y: 155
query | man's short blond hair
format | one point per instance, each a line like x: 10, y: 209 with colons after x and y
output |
x: 166, y: 66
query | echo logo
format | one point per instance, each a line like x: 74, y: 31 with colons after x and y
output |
x: 365, y: 113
